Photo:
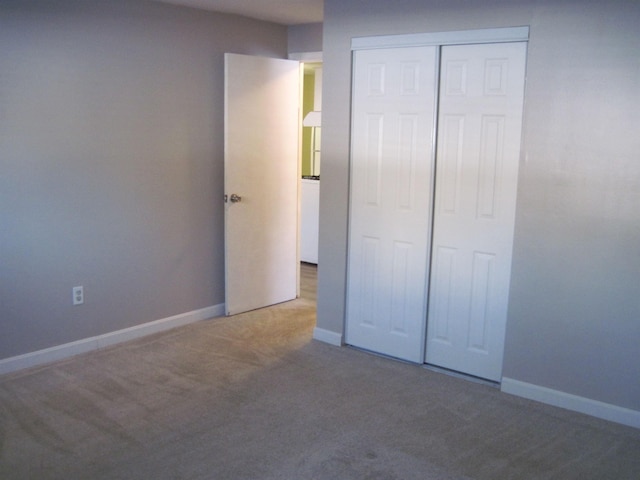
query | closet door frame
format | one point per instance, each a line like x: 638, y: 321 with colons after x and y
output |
x: 437, y: 39
x: 462, y: 37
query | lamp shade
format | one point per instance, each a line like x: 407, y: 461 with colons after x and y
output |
x: 312, y: 119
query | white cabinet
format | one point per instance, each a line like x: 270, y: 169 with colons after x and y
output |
x: 309, y: 219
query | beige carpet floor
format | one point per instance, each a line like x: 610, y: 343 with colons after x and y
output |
x: 254, y: 397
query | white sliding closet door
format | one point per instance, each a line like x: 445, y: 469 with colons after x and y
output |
x: 479, y: 128
x: 391, y: 195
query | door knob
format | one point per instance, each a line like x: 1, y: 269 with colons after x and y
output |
x: 234, y: 198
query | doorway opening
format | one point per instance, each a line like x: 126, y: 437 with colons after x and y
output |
x: 310, y: 162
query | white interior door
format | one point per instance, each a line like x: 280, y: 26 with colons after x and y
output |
x: 479, y: 128
x: 391, y: 191
x: 261, y: 176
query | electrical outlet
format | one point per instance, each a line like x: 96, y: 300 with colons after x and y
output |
x: 78, y: 295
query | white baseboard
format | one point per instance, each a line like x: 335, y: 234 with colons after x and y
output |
x: 560, y: 399
x: 327, y: 336
x: 66, y: 350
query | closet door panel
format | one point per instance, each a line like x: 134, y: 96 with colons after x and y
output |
x: 480, y: 121
x: 391, y: 192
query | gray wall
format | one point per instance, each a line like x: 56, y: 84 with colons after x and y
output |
x: 574, y: 315
x: 111, y: 163
x: 305, y: 38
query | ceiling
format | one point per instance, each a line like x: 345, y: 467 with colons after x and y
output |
x: 286, y: 12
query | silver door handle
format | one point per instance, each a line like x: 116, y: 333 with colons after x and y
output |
x: 234, y: 198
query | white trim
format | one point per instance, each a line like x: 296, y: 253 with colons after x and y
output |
x: 327, y: 336
x: 489, y: 35
x: 66, y: 350
x: 560, y: 399
x: 308, y: 57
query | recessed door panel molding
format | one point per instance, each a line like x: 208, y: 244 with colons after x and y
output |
x: 400, y: 302
x: 495, y: 76
x: 391, y: 196
x: 450, y: 164
x: 368, y: 271
x: 479, y: 307
x: 376, y: 77
x: 408, y: 135
x: 455, y: 79
x: 375, y: 128
x: 410, y: 79
x: 442, y: 287
x: 490, y: 164
x: 480, y: 228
